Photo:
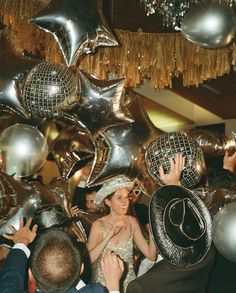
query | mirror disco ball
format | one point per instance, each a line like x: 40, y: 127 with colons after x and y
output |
x: 47, y: 85
x: 167, y: 146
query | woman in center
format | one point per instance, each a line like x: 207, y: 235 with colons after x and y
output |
x: 117, y: 231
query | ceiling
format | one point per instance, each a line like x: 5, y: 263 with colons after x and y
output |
x: 216, y: 96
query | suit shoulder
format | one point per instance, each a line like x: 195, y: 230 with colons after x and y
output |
x: 135, y: 287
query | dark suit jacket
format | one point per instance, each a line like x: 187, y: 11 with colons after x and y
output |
x: 13, y: 275
x: 165, y: 278
x: 222, y: 278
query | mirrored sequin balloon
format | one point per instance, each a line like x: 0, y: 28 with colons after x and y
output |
x: 167, y: 146
x: 209, y: 25
x: 47, y: 85
x: 223, y: 233
x: 23, y: 150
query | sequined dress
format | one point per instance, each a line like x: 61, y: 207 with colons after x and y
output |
x: 125, y: 251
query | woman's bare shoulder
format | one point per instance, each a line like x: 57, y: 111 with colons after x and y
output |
x: 100, y: 222
x: 132, y: 220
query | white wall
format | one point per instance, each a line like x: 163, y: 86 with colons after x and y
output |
x: 230, y: 126
x: 178, y: 104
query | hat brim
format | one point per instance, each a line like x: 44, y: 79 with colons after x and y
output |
x: 51, y: 216
x: 44, y: 225
x: 174, y: 254
x: 109, y: 187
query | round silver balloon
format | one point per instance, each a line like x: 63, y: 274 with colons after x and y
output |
x: 209, y: 25
x: 166, y: 146
x: 23, y: 150
x: 224, y: 231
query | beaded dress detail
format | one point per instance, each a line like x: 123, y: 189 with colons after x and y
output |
x: 125, y: 251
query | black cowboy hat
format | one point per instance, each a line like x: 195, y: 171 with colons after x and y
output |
x: 180, y: 224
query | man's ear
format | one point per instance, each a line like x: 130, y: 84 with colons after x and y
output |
x: 31, y: 276
x: 82, y: 268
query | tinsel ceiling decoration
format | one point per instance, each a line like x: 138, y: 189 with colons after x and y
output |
x: 172, y: 12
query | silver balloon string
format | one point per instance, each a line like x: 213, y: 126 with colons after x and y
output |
x: 172, y: 12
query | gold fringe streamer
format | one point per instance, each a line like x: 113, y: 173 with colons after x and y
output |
x: 156, y: 56
x: 159, y: 57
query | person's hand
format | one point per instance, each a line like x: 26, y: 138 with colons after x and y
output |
x: 4, y: 252
x: 117, y: 227
x: 176, y: 168
x: 112, y: 269
x: 229, y: 162
x: 74, y: 210
x: 24, y: 235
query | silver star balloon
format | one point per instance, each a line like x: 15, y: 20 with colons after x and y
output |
x: 12, y: 74
x: 10, y: 99
x: 102, y: 103
x: 72, y: 149
x: 120, y: 149
x: 76, y: 26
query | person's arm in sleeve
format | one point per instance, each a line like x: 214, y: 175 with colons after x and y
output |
x: 14, y: 271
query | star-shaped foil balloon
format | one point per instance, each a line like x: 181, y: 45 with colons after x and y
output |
x: 14, y: 74
x: 76, y: 26
x: 10, y: 98
x: 120, y: 149
x: 102, y: 103
x: 71, y: 150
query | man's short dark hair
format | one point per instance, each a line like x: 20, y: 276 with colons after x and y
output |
x: 55, y: 261
x: 222, y: 178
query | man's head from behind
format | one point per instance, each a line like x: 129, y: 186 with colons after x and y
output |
x: 55, y: 261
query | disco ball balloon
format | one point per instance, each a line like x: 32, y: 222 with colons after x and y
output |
x: 224, y: 231
x: 167, y: 146
x: 209, y: 25
x: 47, y: 85
x: 23, y: 150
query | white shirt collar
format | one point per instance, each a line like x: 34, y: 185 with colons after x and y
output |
x: 80, y: 285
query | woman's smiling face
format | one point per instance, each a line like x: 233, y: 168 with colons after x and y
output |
x: 119, y: 202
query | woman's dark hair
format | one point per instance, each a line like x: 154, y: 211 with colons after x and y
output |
x: 222, y: 178
x: 107, y: 208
